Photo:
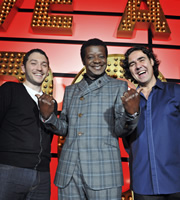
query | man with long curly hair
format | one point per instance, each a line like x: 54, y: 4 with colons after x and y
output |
x: 154, y: 146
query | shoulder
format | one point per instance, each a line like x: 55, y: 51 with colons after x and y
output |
x: 171, y: 86
x: 12, y: 85
x: 12, y: 88
x: 118, y: 82
x: 75, y: 85
x: 172, y: 89
x: 71, y: 87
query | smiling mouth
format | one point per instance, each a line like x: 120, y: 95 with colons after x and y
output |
x: 141, y: 72
x: 38, y: 75
x: 97, y: 67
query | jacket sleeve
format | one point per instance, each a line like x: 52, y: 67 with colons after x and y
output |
x: 5, y: 99
x: 59, y: 125
x: 124, y: 123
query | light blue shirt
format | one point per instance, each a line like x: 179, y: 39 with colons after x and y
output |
x: 155, y: 145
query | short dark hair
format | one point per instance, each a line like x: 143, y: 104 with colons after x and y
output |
x: 150, y: 55
x: 25, y: 59
x: 92, y: 42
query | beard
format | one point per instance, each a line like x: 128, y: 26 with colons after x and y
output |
x: 32, y: 81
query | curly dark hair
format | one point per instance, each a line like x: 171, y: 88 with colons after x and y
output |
x: 149, y: 54
x: 92, y: 42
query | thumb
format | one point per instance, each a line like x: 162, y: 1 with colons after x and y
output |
x: 139, y: 90
x: 37, y: 95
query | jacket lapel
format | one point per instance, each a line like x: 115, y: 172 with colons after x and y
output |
x: 85, y: 88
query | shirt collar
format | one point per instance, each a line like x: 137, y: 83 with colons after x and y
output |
x: 89, y: 81
x: 32, y: 93
x: 159, y: 84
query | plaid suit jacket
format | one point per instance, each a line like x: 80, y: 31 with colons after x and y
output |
x: 92, y: 119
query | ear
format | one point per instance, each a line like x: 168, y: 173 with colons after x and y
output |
x: 83, y: 62
x: 48, y: 71
x: 23, y: 68
x: 152, y: 62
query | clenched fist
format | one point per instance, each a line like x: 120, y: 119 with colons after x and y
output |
x: 46, y: 105
x: 130, y: 100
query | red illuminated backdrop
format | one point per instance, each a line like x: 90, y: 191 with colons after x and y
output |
x: 90, y: 18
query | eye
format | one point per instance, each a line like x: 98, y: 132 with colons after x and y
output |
x: 142, y: 60
x: 33, y: 63
x: 45, y: 65
x: 90, y: 57
x: 101, y: 56
x: 132, y: 64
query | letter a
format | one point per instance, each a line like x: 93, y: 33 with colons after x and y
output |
x: 136, y: 18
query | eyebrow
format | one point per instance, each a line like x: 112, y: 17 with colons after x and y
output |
x: 141, y: 57
x: 137, y: 59
x: 36, y: 61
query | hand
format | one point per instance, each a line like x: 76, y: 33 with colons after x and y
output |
x: 46, y: 105
x: 130, y: 100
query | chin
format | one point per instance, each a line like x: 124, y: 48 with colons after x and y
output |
x: 38, y: 83
x: 99, y: 73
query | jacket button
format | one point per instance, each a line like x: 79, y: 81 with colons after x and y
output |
x: 81, y: 98
x: 80, y: 114
x: 80, y: 133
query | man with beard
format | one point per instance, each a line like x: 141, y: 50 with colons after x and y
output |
x: 24, y: 141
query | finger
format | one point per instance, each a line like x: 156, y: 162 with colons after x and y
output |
x: 51, y: 99
x: 139, y: 90
x: 46, y: 97
x: 126, y: 99
x: 136, y: 94
x: 125, y: 94
x: 133, y: 95
x: 131, y: 91
x: 123, y: 99
x: 37, y: 95
x: 46, y: 102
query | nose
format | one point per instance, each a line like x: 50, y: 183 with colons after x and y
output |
x: 138, y: 65
x: 39, y: 67
x: 97, y: 59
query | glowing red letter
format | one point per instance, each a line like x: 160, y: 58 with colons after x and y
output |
x: 136, y: 18
x: 8, y: 9
x: 43, y: 22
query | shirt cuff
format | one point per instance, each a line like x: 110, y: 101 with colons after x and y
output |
x: 45, y: 120
x: 133, y: 116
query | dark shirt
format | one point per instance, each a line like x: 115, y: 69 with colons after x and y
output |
x: 155, y: 145
x: 89, y: 81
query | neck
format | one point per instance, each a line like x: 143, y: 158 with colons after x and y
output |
x: 37, y: 88
x: 94, y: 77
x: 146, y: 88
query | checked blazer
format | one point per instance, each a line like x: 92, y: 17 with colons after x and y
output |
x: 92, y: 119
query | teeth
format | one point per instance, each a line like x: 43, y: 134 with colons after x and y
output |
x: 97, y: 67
x: 38, y: 74
x: 142, y: 72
